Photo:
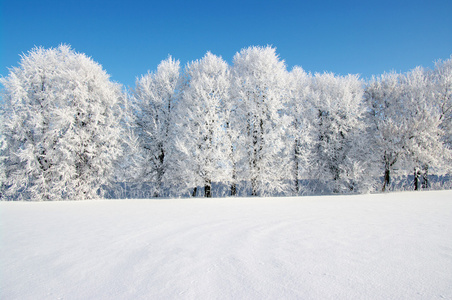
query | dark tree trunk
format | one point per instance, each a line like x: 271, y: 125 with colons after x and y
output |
x: 233, y: 184
x: 233, y: 189
x: 389, y: 159
x: 253, y: 187
x: 296, y: 168
x: 195, y: 190
x: 417, y: 174
x: 254, y: 164
x: 208, y: 189
x: 425, y: 182
x: 160, y: 172
x: 387, y: 179
x: 336, y: 176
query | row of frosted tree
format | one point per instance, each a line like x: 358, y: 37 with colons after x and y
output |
x: 253, y: 128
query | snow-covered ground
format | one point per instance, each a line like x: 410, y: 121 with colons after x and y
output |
x: 390, y: 246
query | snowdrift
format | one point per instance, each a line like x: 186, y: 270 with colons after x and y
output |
x: 387, y: 246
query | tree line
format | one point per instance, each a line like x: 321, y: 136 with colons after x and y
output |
x: 253, y: 127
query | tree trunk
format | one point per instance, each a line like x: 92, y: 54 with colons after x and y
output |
x: 389, y: 160
x: 253, y: 186
x: 296, y: 168
x: 387, y: 179
x: 417, y: 174
x: 234, y: 184
x: 233, y: 189
x: 208, y: 189
x: 160, y: 172
x: 234, y: 178
x: 254, y: 163
x: 425, y: 182
x: 195, y: 190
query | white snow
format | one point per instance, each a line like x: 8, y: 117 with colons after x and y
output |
x: 389, y: 246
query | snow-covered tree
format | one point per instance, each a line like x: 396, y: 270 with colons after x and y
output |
x: 387, y: 123
x: 442, y: 89
x: 233, y: 142
x: 3, y: 147
x: 339, y: 155
x: 259, y: 89
x: 61, y: 125
x: 405, y: 124
x: 424, y: 144
x: 128, y: 164
x: 154, y: 99
x: 299, y: 133
x: 202, y: 129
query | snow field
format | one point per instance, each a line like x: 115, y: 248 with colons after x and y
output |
x: 387, y: 246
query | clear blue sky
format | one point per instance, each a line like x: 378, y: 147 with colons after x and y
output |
x: 131, y: 37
